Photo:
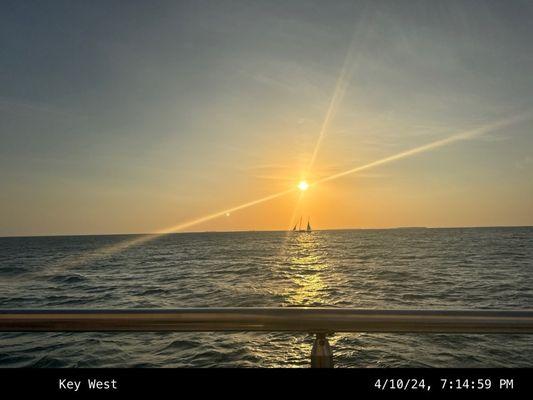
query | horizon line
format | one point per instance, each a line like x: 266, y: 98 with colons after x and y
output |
x: 270, y: 230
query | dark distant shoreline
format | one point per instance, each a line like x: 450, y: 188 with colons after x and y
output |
x: 273, y: 230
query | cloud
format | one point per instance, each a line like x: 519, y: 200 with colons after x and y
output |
x: 30, y: 109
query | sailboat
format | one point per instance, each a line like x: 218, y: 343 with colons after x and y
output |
x: 299, y: 225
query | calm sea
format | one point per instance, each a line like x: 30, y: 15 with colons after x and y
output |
x: 488, y: 268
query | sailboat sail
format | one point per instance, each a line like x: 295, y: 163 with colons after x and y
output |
x: 298, y: 227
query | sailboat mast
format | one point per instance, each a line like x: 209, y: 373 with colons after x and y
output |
x: 300, y: 224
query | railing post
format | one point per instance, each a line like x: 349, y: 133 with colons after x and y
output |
x: 321, y: 354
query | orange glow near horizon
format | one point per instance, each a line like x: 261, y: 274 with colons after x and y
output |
x: 302, y: 186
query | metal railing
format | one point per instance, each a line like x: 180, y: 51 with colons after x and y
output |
x: 318, y: 321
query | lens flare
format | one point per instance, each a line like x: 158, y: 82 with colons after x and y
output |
x: 341, y: 86
x: 465, y: 135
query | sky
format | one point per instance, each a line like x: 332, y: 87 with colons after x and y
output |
x: 133, y: 117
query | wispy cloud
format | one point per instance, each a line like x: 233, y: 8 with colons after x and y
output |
x: 26, y: 109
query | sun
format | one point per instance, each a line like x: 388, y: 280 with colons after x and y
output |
x: 303, y: 186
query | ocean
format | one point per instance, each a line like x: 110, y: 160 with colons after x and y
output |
x: 463, y: 268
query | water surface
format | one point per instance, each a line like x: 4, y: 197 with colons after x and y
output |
x: 475, y: 268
